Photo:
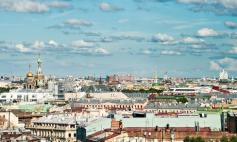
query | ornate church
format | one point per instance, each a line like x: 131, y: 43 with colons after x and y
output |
x: 37, y: 80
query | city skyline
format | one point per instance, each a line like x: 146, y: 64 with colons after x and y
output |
x: 188, y: 38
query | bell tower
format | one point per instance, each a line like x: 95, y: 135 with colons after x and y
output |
x: 39, y: 68
x: 39, y: 77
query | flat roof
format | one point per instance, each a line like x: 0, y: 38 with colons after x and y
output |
x: 212, y: 120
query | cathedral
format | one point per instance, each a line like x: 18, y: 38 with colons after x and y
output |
x: 37, y: 80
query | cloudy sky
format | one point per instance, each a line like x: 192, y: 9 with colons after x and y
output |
x: 189, y: 38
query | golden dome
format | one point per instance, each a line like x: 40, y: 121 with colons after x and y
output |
x: 29, y: 74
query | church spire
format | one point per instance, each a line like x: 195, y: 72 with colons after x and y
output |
x: 29, y: 67
x: 29, y: 74
x: 39, y: 69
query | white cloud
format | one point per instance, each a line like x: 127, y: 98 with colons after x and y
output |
x: 196, y: 46
x: 130, y: 35
x: 108, y: 7
x: 207, y: 32
x: 170, y: 52
x: 230, y: 24
x: 101, y: 51
x: 229, y: 64
x: 232, y: 4
x: 53, y: 43
x: 163, y: 38
x: 93, y: 51
x: 78, y: 22
x: 214, y: 66
x: 22, y: 48
x: 82, y: 44
x: 106, y: 39
x: 23, y: 6
x: 147, y: 52
x: 233, y: 50
x: 217, y: 6
x: 59, y: 4
x: 38, y: 44
x: 193, y: 1
x: 191, y: 40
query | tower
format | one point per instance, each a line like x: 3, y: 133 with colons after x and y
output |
x: 29, y: 79
x: 39, y: 77
x: 39, y: 69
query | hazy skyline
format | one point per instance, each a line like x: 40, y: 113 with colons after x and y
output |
x: 192, y: 38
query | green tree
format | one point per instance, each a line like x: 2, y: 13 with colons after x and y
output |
x: 182, y: 99
x: 193, y: 139
x: 187, y: 139
x: 224, y: 139
x: 233, y: 139
x: 200, y: 139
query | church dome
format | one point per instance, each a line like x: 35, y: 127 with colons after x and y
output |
x: 29, y: 74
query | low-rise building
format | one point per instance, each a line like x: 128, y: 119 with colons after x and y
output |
x: 110, y: 104
x: 9, y: 120
x: 154, y: 134
x: 157, y: 107
x: 17, y: 135
x: 26, y: 95
x: 73, y: 96
x: 58, y: 127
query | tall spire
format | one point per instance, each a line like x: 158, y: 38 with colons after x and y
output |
x: 29, y: 74
x: 39, y: 70
x: 39, y: 60
x: 29, y: 67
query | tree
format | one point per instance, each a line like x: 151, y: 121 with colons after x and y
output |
x: 187, y: 139
x: 224, y: 139
x: 199, y: 139
x: 193, y: 139
x: 233, y: 139
x: 182, y: 99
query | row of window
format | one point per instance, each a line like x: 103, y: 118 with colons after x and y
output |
x: 113, y: 106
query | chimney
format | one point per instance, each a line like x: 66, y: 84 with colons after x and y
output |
x: 116, y: 124
x: 197, y: 128
x: 167, y: 126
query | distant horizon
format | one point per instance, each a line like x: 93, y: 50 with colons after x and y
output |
x: 186, y: 38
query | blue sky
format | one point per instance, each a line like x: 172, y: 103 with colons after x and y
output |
x: 186, y: 38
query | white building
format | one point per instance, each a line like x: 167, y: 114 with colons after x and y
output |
x: 188, y: 90
x: 108, y: 95
x: 223, y: 75
x: 74, y: 96
x: 22, y: 95
x: 5, y: 83
x: 59, y: 127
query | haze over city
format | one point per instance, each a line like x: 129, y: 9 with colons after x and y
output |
x: 185, y: 38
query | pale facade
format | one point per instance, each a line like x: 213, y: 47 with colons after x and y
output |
x: 10, y: 120
x: 55, y: 128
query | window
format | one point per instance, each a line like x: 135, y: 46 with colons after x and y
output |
x: 74, y: 135
x: 69, y: 135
